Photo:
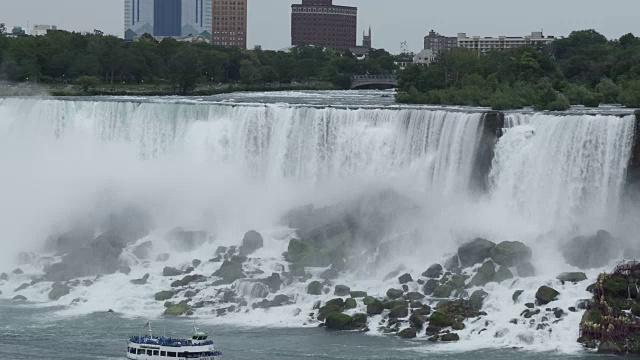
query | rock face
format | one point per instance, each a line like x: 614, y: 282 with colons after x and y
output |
x: 545, y: 295
x: 475, y: 252
x: 573, y: 277
x: 251, y: 242
x: 58, y: 290
x: 591, y: 252
x: 231, y: 270
x: 434, y: 271
x: 510, y: 253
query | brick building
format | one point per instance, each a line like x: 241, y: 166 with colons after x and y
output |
x: 230, y: 23
x: 320, y: 23
x: 439, y: 43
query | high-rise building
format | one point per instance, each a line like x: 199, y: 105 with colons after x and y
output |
x: 438, y: 43
x: 320, y: 23
x: 229, y: 23
x: 175, y: 18
x: 484, y: 44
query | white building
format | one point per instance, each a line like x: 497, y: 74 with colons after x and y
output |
x: 484, y: 44
x: 424, y: 57
x: 39, y: 30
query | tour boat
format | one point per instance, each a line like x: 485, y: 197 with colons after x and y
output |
x: 149, y: 347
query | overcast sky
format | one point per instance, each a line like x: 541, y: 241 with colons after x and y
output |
x: 392, y: 21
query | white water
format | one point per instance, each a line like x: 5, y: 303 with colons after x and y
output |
x: 228, y: 169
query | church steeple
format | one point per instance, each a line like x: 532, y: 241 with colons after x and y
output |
x: 366, y: 39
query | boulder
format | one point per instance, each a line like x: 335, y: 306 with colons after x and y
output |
x: 442, y: 291
x: 124, y: 269
x: 510, y: 253
x: 358, y: 294
x: 502, y: 274
x: 485, y: 274
x: 453, y: 263
x: 338, y: 321
x: 591, y: 252
x: 408, y: 333
x: 440, y: 319
x: 405, y: 278
x: 412, y: 296
x: 610, y: 347
x: 545, y: 295
x: 375, y: 307
x: 434, y: 271
x: 394, y: 293
x: 359, y: 321
x: 176, y: 310
x: 477, y: 299
x: 330, y: 274
x: 341, y: 290
x: 144, y: 250
x: 457, y: 308
x: 196, y: 263
x: 516, y: 295
x: 573, y: 277
x: 4, y: 277
x: 251, y: 242
x: 333, y: 305
x: 399, y: 311
x: 231, y: 270
x: 58, y: 290
x: 22, y: 287
x: 475, y: 252
x: 526, y: 269
x: 430, y: 286
x: 457, y: 281
x: 314, y: 288
x: 281, y: 299
x: 450, y: 337
x: 170, y: 271
x: 163, y: 295
x: 417, y: 320
x: 350, y: 304
x: 188, y: 280
x: 141, y: 281
x: 273, y: 282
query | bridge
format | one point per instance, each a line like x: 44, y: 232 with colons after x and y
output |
x: 373, y: 82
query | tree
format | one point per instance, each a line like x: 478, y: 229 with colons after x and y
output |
x: 608, y: 90
x: 3, y: 29
x: 88, y: 82
x: 249, y: 72
x: 184, y: 70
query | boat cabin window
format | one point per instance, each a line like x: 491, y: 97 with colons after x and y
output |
x: 149, y: 352
x: 156, y: 352
x: 163, y: 353
x: 140, y: 351
x: 171, y: 354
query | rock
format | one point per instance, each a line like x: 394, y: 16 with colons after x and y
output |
x: 273, y: 282
x: 477, y: 299
x: 359, y: 321
x: 162, y: 257
x: 485, y: 274
x: 87, y: 283
x: 417, y: 320
x: 510, y: 253
x: 442, y: 291
x: 333, y: 305
x: 502, y: 274
x: 411, y: 296
x: 177, y: 310
x: 124, y: 269
x: 22, y: 287
x: 408, y: 333
x: 141, y: 281
x: 610, y: 347
x: 190, y: 293
x: 399, y: 311
x: 457, y: 281
x: 358, y: 294
x: 453, y: 263
x: 4, y: 277
x: 314, y: 288
x: 558, y: 313
x: 251, y: 242
x: 394, y: 293
x: 330, y: 274
x: 440, y: 319
x: 430, y: 286
x: 457, y: 308
x: 188, y: 280
x: 591, y: 252
x: 635, y: 310
x: 526, y: 269
x: 196, y: 263
x: 375, y: 307
x: 341, y: 290
x: 170, y: 271
x: 529, y: 313
x: 434, y: 271
x: 58, y: 290
x: 281, y: 299
x: 19, y: 298
x: 350, y: 304
x: 17, y: 272
x: 231, y: 270
x: 530, y: 305
x: 189, y: 270
x: 163, y: 295
x: 338, y: 321
x: 186, y: 240
x: 573, y: 277
x: 516, y: 295
x: 450, y: 337
x: 144, y: 250
x: 405, y: 278
x: 475, y: 252
x: 545, y: 295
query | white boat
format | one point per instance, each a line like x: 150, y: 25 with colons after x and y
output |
x: 149, y: 347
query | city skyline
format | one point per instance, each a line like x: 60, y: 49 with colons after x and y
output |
x: 391, y: 24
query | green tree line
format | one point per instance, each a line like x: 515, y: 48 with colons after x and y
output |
x: 582, y: 69
x: 69, y: 57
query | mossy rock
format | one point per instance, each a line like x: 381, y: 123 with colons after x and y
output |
x: 338, y: 321
x: 510, y: 253
x: 430, y: 286
x: 375, y: 307
x: 440, y: 319
x: 443, y: 291
x: 176, y: 310
x: 502, y: 274
x: 342, y: 290
x: 457, y: 281
x: 434, y: 271
x: 368, y: 300
x: 485, y: 274
x: 398, y: 312
x: 163, y: 295
x: 450, y: 337
x: 394, y: 293
x: 314, y: 288
x: 350, y: 304
x: 545, y: 295
x: 573, y: 277
x: 412, y: 296
x: 359, y: 321
x: 516, y: 295
x: 330, y: 307
x: 417, y: 320
x: 408, y: 333
x: 358, y: 294
x: 477, y: 299
x: 231, y: 270
x: 405, y: 278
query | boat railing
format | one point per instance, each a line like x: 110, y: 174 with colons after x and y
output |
x: 165, y: 341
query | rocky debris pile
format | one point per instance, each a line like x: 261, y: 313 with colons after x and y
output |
x: 612, y: 320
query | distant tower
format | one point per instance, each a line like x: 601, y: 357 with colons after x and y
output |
x: 366, y: 40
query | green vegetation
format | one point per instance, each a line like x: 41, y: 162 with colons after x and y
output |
x: 65, y: 61
x: 582, y: 69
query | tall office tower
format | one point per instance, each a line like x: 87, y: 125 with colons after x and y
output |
x: 196, y: 18
x: 320, y: 23
x: 173, y: 18
x: 229, y: 23
x: 138, y: 18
